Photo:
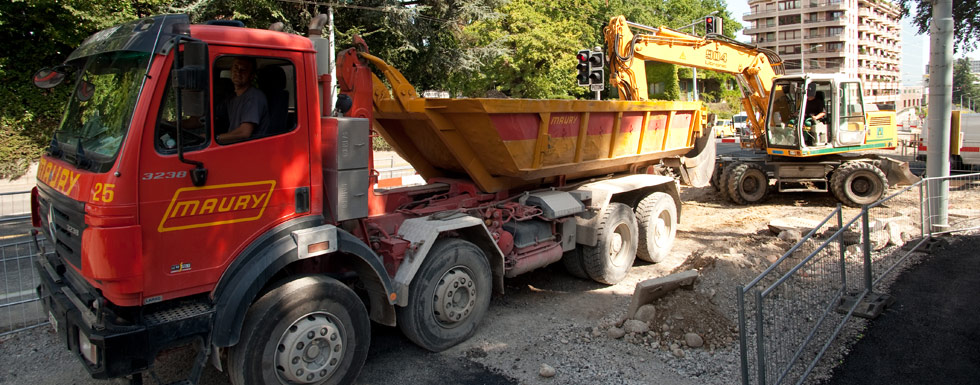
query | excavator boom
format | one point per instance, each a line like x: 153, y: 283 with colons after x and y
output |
x: 754, y: 68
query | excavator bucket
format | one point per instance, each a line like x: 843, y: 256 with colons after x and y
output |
x: 699, y: 163
x: 897, y: 172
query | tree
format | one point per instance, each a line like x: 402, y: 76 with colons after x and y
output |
x: 964, y: 82
x: 966, y: 20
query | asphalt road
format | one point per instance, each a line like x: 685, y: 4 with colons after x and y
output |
x: 931, y: 334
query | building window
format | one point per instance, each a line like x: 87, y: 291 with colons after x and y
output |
x: 789, y: 20
x: 835, y: 31
x: 788, y: 35
x: 789, y: 4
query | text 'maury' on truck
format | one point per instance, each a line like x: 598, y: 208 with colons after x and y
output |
x: 800, y: 153
x: 273, y: 254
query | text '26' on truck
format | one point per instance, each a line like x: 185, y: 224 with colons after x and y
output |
x: 272, y: 255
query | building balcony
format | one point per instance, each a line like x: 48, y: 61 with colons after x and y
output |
x: 821, y: 22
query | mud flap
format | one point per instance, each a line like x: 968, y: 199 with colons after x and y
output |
x: 897, y: 172
x: 699, y: 163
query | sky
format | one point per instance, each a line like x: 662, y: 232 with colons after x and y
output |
x: 915, y: 48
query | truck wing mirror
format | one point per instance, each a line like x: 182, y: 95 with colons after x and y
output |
x: 46, y: 78
x: 190, y: 79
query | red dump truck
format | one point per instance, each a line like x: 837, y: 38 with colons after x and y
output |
x: 273, y: 254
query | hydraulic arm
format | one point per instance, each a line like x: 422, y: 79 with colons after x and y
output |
x: 753, y: 67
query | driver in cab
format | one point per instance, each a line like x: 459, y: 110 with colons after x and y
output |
x: 814, y: 112
x: 247, y: 109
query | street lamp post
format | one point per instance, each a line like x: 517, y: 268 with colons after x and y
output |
x: 694, y: 70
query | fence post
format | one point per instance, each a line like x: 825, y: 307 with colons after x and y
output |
x: 743, y: 340
x: 842, y: 247
x: 866, y: 243
x: 922, y: 210
x: 760, y: 345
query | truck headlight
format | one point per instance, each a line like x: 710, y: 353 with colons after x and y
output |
x: 88, y: 349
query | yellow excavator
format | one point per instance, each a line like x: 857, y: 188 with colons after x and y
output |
x: 808, y: 131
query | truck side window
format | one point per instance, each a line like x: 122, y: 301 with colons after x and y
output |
x: 255, y: 97
x: 193, y: 125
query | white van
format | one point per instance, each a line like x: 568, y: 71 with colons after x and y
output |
x: 740, y: 120
x: 965, y: 147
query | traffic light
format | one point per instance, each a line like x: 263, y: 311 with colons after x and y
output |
x: 595, y: 69
x: 712, y: 25
x: 584, y: 57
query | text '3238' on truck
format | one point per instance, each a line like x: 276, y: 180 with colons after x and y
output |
x: 802, y: 153
x: 272, y: 255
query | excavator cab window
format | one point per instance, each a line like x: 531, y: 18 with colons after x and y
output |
x: 785, y: 105
x: 817, y: 113
x: 851, y: 114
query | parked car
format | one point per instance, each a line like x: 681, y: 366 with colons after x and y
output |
x: 724, y: 128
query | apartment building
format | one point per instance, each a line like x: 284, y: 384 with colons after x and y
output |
x: 859, y: 38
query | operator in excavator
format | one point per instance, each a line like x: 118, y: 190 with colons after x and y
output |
x: 814, y: 113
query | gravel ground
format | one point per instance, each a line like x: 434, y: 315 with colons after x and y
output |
x: 550, y: 320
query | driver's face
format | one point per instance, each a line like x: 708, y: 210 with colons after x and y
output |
x: 241, y: 73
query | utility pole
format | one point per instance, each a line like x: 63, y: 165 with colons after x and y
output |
x: 333, y: 59
x: 940, y: 111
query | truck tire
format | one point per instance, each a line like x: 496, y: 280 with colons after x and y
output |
x: 858, y: 183
x: 747, y: 183
x: 616, y: 241
x: 656, y: 216
x: 448, y: 297
x: 310, y: 330
x: 573, y: 263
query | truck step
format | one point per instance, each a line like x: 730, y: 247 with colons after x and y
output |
x: 180, y: 312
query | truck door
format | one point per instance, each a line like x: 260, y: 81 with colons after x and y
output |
x: 191, y: 234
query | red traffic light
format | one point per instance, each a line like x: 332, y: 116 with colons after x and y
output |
x: 583, y: 56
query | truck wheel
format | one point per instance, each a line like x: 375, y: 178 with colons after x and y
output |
x: 616, y: 240
x: 311, y: 330
x: 448, y: 297
x: 858, y: 183
x: 747, y: 183
x: 657, y: 216
x: 573, y: 263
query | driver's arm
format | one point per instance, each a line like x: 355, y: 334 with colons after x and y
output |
x: 240, y: 133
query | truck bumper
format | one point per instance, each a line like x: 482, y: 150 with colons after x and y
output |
x: 107, y: 345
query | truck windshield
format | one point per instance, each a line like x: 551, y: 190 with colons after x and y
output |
x: 740, y: 119
x: 101, y: 107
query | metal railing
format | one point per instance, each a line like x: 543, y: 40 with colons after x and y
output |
x: 15, y: 206
x: 791, y: 313
x: 20, y: 308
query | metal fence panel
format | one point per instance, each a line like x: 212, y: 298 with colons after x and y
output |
x: 791, y: 313
x: 19, y: 305
x: 15, y: 205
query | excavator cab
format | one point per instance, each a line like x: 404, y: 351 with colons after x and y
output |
x: 809, y: 114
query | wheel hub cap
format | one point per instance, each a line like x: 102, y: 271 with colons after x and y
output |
x: 618, y: 241
x: 310, y: 349
x: 455, y: 296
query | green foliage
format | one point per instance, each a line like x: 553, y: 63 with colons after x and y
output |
x: 964, y: 82
x: 663, y: 75
x: 966, y: 20
x: 529, y: 51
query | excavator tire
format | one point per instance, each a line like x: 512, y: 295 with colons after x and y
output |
x: 747, y: 183
x: 723, y: 179
x: 716, y: 177
x: 858, y: 183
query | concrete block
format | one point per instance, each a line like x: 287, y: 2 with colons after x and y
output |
x: 649, y: 290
